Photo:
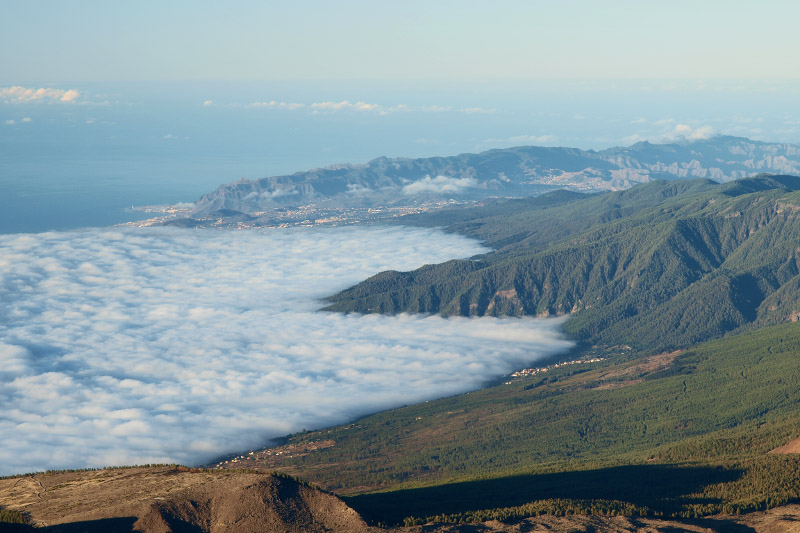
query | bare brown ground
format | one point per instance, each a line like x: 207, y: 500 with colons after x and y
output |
x: 648, y: 365
x: 617, y: 384
x: 793, y: 446
x: 162, y: 499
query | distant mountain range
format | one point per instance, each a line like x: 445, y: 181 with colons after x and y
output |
x: 511, y: 172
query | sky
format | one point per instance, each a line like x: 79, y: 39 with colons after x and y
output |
x: 174, y: 345
x: 447, y: 40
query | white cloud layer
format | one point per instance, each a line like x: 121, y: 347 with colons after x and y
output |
x: 680, y: 132
x: 439, y: 184
x: 12, y: 122
x: 684, y: 131
x: 23, y: 95
x: 154, y: 345
x: 345, y: 105
x: 331, y: 106
x: 482, y: 110
x: 278, y: 105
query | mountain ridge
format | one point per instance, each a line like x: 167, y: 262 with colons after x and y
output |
x: 501, y: 172
x: 663, y: 264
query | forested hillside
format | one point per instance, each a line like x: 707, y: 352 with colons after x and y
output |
x: 582, y: 438
x: 658, y: 266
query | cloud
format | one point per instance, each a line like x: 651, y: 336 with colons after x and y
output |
x: 632, y: 139
x: 11, y: 121
x: 23, y: 95
x: 332, y: 106
x: 159, y: 345
x: 520, y: 139
x: 280, y: 192
x: 481, y: 110
x: 439, y: 184
x: 70, y: 95
x: 277, y: 105
x: 346, y: 105
x: 680, y: 132
x: 435, y: 109
x: 208, y: 103
x: 271, y: 194
x: 13, y: 360
x: 356, y: 188
x: 686, y: 132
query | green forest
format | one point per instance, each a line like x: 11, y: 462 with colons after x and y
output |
x: 685, y: 297
x: 584, y: 438
x: 659, y: 266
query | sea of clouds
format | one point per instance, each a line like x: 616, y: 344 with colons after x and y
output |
x: 122, y: 346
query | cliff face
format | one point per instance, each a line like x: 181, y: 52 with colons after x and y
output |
x: 512, y: 172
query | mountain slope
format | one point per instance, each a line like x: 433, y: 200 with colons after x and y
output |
x: 661, y: 265
x: 512, y: 172
x: 159, y: 499
x: 590, y: 437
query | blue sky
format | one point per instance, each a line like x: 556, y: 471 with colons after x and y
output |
x: 410, y: 40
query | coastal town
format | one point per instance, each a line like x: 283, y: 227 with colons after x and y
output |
x: 284, y: 217
x: 528, y: 372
